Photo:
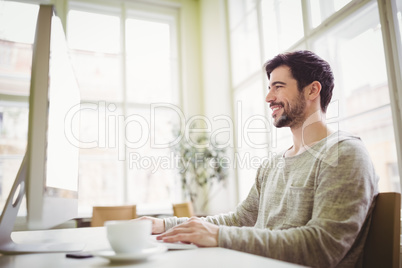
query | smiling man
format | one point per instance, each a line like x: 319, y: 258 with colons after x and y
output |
x: 312, y: 203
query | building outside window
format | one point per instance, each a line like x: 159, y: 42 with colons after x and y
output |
x: 16, y: 39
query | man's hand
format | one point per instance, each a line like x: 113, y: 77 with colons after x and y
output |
x: 158, y: 226
x: 195, y: 230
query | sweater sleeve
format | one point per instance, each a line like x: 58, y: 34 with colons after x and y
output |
x: 245, y: 214
x: 343, y: 194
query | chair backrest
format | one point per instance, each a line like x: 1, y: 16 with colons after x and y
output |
x: 183, y: 210
x: 382, y: 248
x: 102, y: 214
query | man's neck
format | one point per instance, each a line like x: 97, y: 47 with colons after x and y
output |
x: 312, y: 131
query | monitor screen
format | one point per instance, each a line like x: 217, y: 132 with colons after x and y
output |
x: 52, y: 173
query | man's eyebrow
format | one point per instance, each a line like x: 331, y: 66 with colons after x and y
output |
x: 276, y: 83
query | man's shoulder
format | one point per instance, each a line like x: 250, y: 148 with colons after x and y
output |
x: 342, y: 138
x: 338, y: 144
x: 344, y: 144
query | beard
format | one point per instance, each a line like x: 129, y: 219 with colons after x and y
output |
x: 293, y: 114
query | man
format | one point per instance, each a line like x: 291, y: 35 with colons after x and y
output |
x: 312, y: 203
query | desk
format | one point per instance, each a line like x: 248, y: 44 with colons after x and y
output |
x: 95, y: 239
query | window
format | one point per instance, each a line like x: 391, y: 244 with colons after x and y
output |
x: 149, y: 56
x: 251, y: 143
x: 247, y: 90
x: 244, y: 40
x: 349, y: 36
x: 322, y: 9
x: 282, y: 25
x: 16, y: 39
x: 95, y: 51
x: 125, y: 58
x: 355, y: 49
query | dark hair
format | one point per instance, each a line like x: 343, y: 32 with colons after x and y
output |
x: 306, y: 67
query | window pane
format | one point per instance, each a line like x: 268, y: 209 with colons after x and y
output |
x: 13, y: 141
x: 15, y: 68
x: 152, y: 169
x: 282, y: 24
x: 252, y: 144
x: 101, y: 170
x: 100, y: 181
x: 93, y: 32
x: 322, y: 9
x: 245, y: 48
x: 94, y: 40
x: 238, y: 11
x: 149, y: 62
x: 12, y: 27
x: 376, y: 130
x: 355, y: 51
x: 16, y: 39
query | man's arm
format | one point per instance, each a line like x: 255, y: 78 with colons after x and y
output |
x: 346, y: 186
x: 343, y: 197
x: 245, y: 215
x: 205, y: 231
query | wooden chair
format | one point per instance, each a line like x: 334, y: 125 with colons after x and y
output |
x: 382, y: 248
x: 183, y: 210
x: 102, y: 214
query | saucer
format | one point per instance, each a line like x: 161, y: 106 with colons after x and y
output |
x: 136, y: 256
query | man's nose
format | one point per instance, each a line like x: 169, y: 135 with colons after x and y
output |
x: 270, y: 97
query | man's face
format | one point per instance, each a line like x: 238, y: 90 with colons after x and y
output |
x: 285, y: 100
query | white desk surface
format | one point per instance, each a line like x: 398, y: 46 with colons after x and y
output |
x: 95, y: 239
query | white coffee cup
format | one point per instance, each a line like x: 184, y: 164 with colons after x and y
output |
x: 128, y: 236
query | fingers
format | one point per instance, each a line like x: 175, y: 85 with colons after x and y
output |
x: 183, y: 228
x: 194, y: 231
x: 172, y: 235
x: 184, y: 234
x: 187, y: 238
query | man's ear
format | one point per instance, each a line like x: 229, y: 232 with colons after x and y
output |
x: 314, y: 90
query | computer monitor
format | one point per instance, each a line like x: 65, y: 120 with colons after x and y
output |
x: 49, y: 171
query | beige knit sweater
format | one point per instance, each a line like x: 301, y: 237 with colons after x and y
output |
x: 312, y: 209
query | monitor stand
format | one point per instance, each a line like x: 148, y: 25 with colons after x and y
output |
x: 9, y: 215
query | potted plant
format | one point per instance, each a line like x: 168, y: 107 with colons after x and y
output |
x: 201, y: 166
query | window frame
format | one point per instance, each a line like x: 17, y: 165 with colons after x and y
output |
x: 124, y: 9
